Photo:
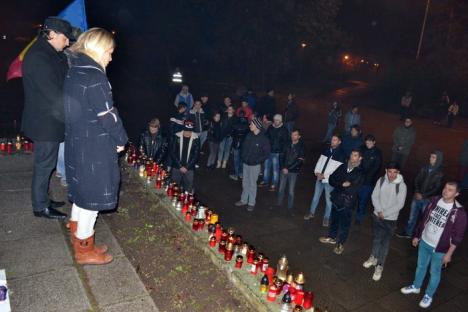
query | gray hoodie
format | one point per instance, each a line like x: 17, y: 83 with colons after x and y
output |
x: 385, y: 198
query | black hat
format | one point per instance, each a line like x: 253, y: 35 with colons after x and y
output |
x: 188, y: 125
x: 59, y: 25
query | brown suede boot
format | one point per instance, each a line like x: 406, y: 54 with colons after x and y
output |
x: 85, y: 253
x: 73, y: 225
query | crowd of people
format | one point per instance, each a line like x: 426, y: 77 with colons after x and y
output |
x: 268, y: 151
x: 70, y: 100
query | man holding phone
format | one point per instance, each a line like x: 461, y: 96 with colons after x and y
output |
x: 439, y: 232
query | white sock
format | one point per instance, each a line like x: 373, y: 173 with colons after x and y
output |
x: 75, y: 213
x: 86, y: 221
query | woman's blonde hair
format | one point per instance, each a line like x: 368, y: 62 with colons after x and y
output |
x: 94, y: 43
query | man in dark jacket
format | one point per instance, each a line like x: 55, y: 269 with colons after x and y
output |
x: 185, y: 150
x: 403, y: 140
x: 153, y: 143
x: 278, y: 136
x: 44, y: 70
x: 426, y: 185
x: 255, y: 150
x: 239, y: 132
x: 371, y: 163
x: 267, y: 106
x: 290, y: 113
x: 290, y: 163
x: 346, y: 181
x: 439, y: 232
x: 198, y: 117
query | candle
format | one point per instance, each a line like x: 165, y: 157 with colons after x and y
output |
x: 299, y: 297
x: 298, y: 308
x: 270, y: 272
x: 239, y: 261
x: 214, y: 218
x: 272, y: 293
x: 279, y: 286
x: 253, y: 268
x: 264, y: 266
x: 222, y: 246
x: 195, y: 225
x: 250, y: 255
x: 264, y: 284
x: 218, y: 232
x: 212, y: 241
x: 282, y: 268
x: 229, y: 252
x: 188, y: 216
x: 308, y: 300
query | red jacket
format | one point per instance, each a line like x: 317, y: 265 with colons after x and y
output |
x: 454, y: 228
x: 248, y: 113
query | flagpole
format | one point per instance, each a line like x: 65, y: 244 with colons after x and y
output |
x: 423, y: 27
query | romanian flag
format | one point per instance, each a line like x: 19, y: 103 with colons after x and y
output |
x: 74, y: 13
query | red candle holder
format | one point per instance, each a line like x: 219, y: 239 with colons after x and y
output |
x: 264, y: 266
x: 272, y: 293
x: 188, y: 216
x: 201, y: 225
x: 222, y: 247
x: 254, y: 267
x: 195, y: 225
x: 299, y: 297
x: 218, y: 232
x: 9, y: 148
x: 250, y: 255
x: 239, y: 262
x: 228, y: 255
x: 212, y: 241
x: 270, y: 272
x: 308, y: 302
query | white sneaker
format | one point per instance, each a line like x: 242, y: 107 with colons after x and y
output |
x: 377, y: 273
x: 410, y: 290
x: 425, y: 302
x: 372, y: 261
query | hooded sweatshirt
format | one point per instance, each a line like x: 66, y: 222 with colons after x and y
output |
x: 385, y: 198
x: 429, y: 178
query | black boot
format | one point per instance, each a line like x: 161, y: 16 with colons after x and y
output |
x: 50, y: 213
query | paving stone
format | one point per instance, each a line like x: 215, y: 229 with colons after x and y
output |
x: 28, y: 256
x: 457, y: 304
x: 114, y: 282
x: 143, y: 304
x: 18, y: 226
x: 104, y: 236
x: 16, y: 163
x: 18, y: 201
x: 59, y: 291
x: 15, y: 181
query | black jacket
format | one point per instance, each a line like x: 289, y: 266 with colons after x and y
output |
x: 214, y: 132
x: 155, y: 147
x: 428, y: 184
x: 199, y: 120
x: 193, y: 151
x: 371, y: 163
x: 227, y: 124
x: 255, y: 149
x: 239, y: 132
x: 345, y: 197
x: 292, y: 156
x: 279, y: 138
x: 290, y: 113
x: 44, y: 71
x: 177, y: 123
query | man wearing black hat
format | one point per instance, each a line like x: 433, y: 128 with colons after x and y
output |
x: 184, y: 155
x: 44, y: 69
x: 255, y: 150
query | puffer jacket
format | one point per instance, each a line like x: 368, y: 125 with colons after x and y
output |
x: 429, y: 178
x: 278, y: 137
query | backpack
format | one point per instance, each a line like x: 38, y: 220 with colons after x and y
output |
x: 397, y: 186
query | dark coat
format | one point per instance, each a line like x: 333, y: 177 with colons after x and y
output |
x: 193, y: 151
x: 345, y: 197
x: 255, y: 149
x: 371, y: 163
x: 214, y: 132
x: 279, y: 138
x: 290, y: 113
x: 293, y: 156
x: 227, y: 124
x: 428, y: 183
x: 93, y: 130
x: 44, y: 71
x: 155, y: 147
x: 239, y: 132
x: 349, y: 143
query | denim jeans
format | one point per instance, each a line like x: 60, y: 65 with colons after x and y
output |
x: 214, y: 147
x: 237, y: 162
x: 365, y: 193
x: 319, y: 188
x: 271, y: 164
x: 249, y: 184
x: 290, y: 178
x: 185, y: 180
x: 417, y: 208
x: 61, y: 162
x: 383, y: 232
x: 202, y: 135
x: 340, y: 222
x: 224, y: 149
x: 329, y: 134
x: 426, y: 255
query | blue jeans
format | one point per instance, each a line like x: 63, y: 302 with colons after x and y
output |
x: 202, y: 135
x: 365, y: 193
x: 319, y: 188
x: 290, y: 178
x: 61, y: 162
x: 417, y: 208
x: 224, y: 149
x: 237, y: 162
x: 272, y: 163
x: 426, y: 255
x: 340, y: 221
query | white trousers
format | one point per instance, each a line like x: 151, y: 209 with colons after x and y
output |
x: 86, y: 220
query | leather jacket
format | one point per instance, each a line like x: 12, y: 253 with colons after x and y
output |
x: 155, y: 147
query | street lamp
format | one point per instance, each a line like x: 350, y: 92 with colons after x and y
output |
x: 303, y: 45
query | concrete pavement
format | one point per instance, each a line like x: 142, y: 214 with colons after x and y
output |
x: 38, y: 259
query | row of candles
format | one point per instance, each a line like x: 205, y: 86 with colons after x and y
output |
x: 10, y: 146
x: 276, y: 283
